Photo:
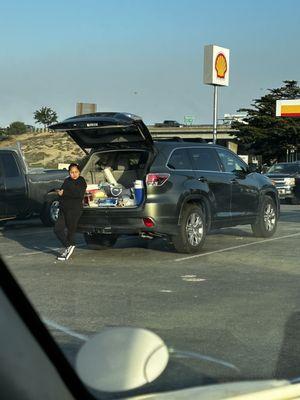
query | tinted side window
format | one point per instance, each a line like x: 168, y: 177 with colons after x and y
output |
x: 204, y: 159
x: 230, y: 162
x: 10, y: 166
x: 180, y: 160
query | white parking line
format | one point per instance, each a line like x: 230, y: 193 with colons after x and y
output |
x: 64, y: 329
x: 236, y: 247
x: 193, y: 279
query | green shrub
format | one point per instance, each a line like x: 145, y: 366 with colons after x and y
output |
x: 16, y: 128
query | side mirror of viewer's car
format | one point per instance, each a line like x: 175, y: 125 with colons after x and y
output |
x: 121, y: 358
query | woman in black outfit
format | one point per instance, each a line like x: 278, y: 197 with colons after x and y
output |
x: 70, y: 209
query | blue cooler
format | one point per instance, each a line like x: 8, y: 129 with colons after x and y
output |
x: 138, y: 192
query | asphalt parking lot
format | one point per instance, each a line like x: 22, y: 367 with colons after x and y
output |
x: 238, y: 300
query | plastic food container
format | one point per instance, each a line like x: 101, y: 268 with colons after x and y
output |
x: 92, y: 195
x: 108, y: 202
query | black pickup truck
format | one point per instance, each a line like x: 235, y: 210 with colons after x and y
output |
x: 25, y: 191
x: 286, y: 177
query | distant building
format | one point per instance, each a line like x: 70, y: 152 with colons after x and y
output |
x: 85, y: 108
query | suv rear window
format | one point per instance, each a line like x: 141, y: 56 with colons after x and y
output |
x: 134, y: 159
x: 180, y: 160
x: 204, y: 159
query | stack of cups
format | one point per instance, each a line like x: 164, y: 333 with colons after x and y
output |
x: 138, y: 192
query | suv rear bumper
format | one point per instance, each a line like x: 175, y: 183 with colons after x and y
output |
x: 129, y: 221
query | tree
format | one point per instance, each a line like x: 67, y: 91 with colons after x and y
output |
x: 45, y: 116
x: 16, y: 128
x: 265, y: 134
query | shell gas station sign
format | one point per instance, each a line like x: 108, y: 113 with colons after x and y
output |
x: 216, y: 65
x: 288, y: 108
x: 216, y: 73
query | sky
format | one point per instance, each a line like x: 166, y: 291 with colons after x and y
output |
x: 141, y: 56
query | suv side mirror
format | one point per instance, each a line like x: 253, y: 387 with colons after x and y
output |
x: 240, y: 173
x: 252, y: 167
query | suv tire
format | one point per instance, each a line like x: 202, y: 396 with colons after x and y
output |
x: 97, y: 241
x: 192, y: 230
x: 266, y: 223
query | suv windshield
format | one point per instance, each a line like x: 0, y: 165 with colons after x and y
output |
x: 284, y: 168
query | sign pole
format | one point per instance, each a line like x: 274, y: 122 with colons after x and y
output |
x: 215, y: 114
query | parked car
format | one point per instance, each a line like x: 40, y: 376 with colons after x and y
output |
x: 24, y: 191
x: 168, y: 123
x: 286, y: 177
x: 190, y: 188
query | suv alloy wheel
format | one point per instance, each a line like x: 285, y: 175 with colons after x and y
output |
x: 266, y: 223
x: 192, y: 230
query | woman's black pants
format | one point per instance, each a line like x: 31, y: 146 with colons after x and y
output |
x: 66, y: 225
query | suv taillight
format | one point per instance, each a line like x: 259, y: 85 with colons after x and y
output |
x: 156, y: 179
x: 148, y: 222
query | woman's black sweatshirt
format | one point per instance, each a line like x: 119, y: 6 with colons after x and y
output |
x: 72, y: 197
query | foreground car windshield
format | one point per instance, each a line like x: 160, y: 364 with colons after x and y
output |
x: 136, y: 212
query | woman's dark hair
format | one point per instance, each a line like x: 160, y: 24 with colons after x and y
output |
x: 74, y: 165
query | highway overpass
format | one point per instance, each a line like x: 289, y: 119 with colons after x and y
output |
x: 225, y: 136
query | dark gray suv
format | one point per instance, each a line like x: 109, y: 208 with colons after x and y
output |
x: 189, y: 187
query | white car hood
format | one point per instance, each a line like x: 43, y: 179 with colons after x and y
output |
x: 238, y: 390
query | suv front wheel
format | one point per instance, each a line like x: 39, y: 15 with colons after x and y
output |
x: 96, y: 241
x: 192, y: 230
x: 266, y: 223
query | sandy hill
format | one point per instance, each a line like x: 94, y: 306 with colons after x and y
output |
x: 45, y: 149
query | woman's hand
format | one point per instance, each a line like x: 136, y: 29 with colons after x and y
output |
x: 60, y: 192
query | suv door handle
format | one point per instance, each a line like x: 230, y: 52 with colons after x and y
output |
x: 235, y: 181
x: 202, y: 179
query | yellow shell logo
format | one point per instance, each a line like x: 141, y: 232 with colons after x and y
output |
x: 221, y: 65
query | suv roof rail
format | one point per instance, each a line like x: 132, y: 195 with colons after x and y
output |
x: 169, y: 138
x: 179, y: 139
